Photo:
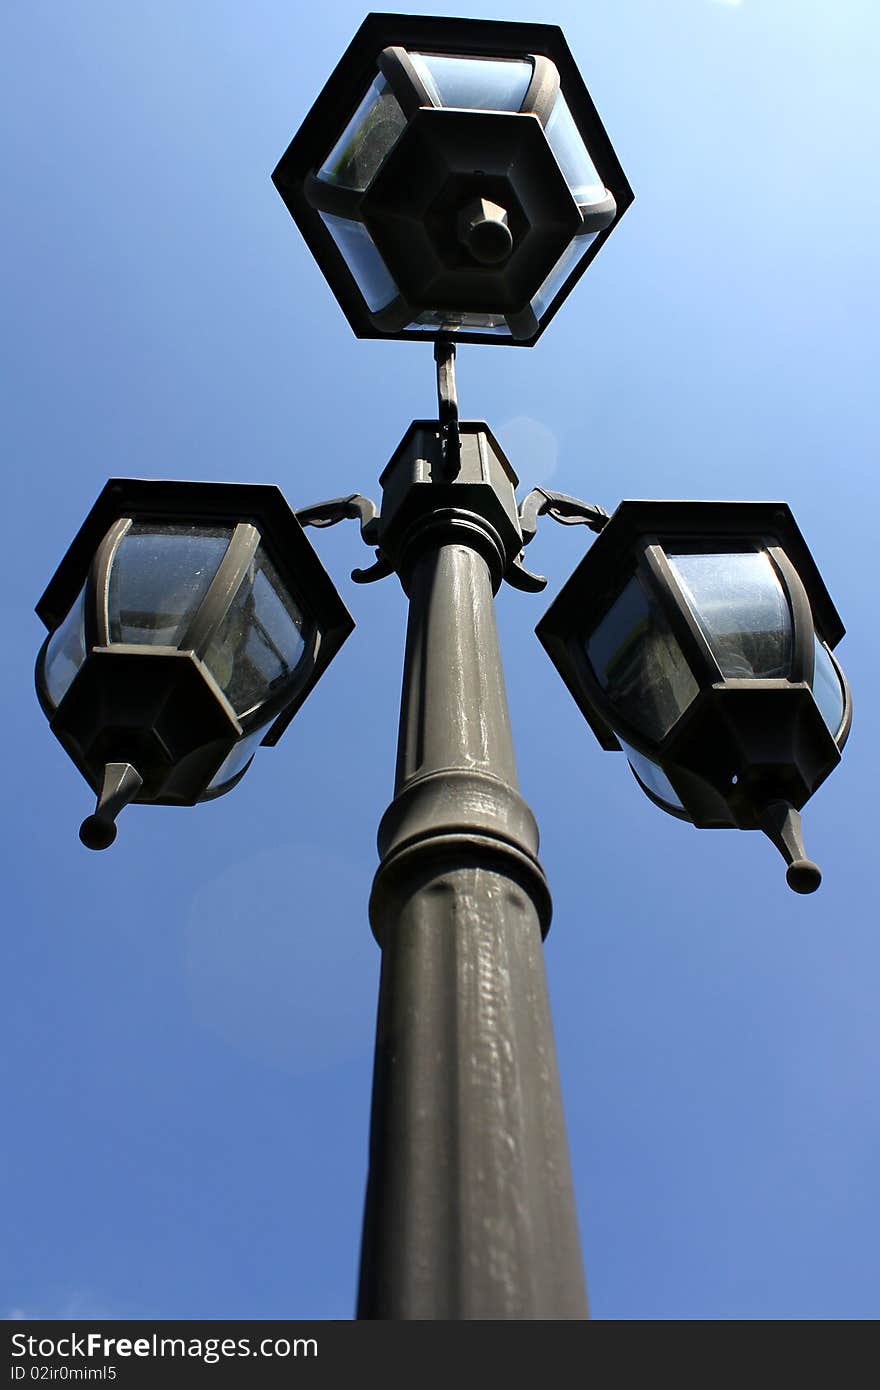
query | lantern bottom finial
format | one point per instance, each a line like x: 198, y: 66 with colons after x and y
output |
x: 120, y: 785
x: 803, y: 876
x: 781, y: 823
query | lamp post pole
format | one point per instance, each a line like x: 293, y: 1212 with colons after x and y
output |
x: 469, y: 1208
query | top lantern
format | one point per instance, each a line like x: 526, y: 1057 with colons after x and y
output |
x: 453, y: 177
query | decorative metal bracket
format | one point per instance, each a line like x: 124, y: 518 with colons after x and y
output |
x: 568, y: 511
x: 353, y: 508
x: 518, y: 577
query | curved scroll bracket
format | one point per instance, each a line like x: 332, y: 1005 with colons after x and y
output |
x: 568, y: 511
x: 379, y: 569
x: 518, y: 577
x: 353, y: 508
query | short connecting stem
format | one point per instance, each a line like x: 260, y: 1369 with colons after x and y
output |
x: 447, y: 405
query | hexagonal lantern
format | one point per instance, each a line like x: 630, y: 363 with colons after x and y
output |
x: 696, y: 637
x: 187, y: 624
x: 453, y: 177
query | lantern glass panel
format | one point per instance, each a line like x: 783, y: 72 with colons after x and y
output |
x: 742, y: 608
x: 236, y: 760
x: 260, y: 642
x: 373, y: 129
x: 362, y: 257
x: 480, y: 84
x: 573, y: 253
x: 827, y: 690
x: 158, y: 578
x: 66, y: 651
x: 652, y: 775
x: 572, y: 156
x: 639, y: 664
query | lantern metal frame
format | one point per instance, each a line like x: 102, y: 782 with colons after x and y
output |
x: 256, y: 514
x: 634, y: 542
x: 381, y: 34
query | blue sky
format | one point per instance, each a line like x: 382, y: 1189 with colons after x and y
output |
x: 187, y: 1019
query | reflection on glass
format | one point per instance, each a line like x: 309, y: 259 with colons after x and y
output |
x: 827, y: 690
x: 566, y: 142
x: 573, y: 253
x: 363, y: 260
x: 652, y: 775
x: 432, y: 319
x: 158, y: 578
x: 260, y: 641
x: 236, y: 760
x: 741, y: 606
x: 483, y: 84
x: 639, y: 664
x: 369, y: 135
x: 66, y: 651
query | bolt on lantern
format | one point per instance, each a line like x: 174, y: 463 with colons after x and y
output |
x: 453, y: 176
x: 187, y: 623
x: 696, y: 637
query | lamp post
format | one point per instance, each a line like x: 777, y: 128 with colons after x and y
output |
x: 453, y: 182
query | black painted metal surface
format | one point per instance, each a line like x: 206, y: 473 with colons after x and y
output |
x: 469, y: 1208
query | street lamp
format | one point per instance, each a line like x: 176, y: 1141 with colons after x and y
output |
x: 696, y: 637
x: 187, y: 624
x: 453, y: 177
x: 453, y: 181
